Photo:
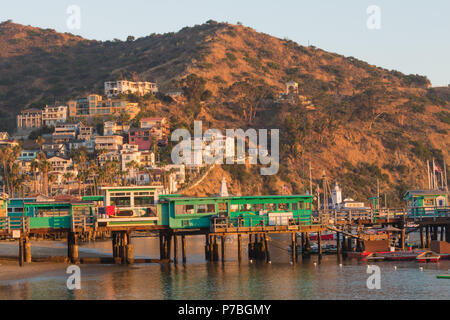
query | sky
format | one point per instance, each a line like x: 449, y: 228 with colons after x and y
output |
x: 409, y: 36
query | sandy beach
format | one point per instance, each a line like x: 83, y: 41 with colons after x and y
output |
x: 9, y: 265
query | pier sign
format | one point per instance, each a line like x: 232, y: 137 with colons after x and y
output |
x: 16, y: 234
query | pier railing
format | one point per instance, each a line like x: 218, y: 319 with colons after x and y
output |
x: 349, y: 216
x: 260, y: 223
x: 83, y: 223
x: 421, y: 213
x: 8, y: 224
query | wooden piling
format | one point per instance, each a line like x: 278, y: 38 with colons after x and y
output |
x: 21, y: 251
x: 27, y: 249
x: 161, y: 246
x: 222, y: 242
x: 403, y: 238
x: 206, y: 247
x: 338, y: 242
x: 294, y: 248
x: 266, y: 246
x: 428, y: 236
x: 175, y: 253
x: 169, y: 245
x: 422, y: 238
x: 319, y: 242
x: 215, y: 250
x: 183, y: 248
x: 130, y: 254
x: 239, y: 238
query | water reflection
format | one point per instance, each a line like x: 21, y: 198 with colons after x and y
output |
x: 328, y: 278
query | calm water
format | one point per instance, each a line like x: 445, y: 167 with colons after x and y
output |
x: 200, y: 280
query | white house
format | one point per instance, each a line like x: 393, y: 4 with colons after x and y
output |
x: 114, y: 88
x: 52, y: 115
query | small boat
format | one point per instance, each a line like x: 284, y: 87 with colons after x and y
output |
x: 428, y: 256
x: 443, y: 276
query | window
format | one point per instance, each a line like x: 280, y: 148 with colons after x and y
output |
x: 300, y: 205
x: 121, y: 201
x: 283, y: 206
x: 258, y: 207
x: 271, y: 206
x: 206, y: 208
x: 223, y: 206
x: 246, y: 207
x: 234, y: 208
x: 307, y: 206
x: 295, y: 206
x: 143, y: 201
x: 184, y: 209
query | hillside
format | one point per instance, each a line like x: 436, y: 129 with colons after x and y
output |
x: 366, y: 123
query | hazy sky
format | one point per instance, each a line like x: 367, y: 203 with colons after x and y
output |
x: 414, y: 36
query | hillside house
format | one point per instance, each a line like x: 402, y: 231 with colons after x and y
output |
x: 114, y: 88
x: 29, y: 119
x: 52, y: 115
x: 109, y: 143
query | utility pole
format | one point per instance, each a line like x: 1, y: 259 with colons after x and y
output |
x: 428, y: 174
x: 434, y: 176
x: 445, y: 176
x: 310, y: 178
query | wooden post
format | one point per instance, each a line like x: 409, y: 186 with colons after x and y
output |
x: 27, y: 249
x: 294, y: 248
x: 422, y: 238
x: 239, y: 246
x: 307, y: 244
x: 222, y: 242
x: 428, y: 236
x: 130, y: 254
x: 442, y: 233
x: 206, y: 247
x: 266, y: 246
x: 175, y: 253
x: 403, y: 237
x: 319, y: 242
x: 74, y: 248
x: 338, y: 242
x: 21, y: 251
x: 183, y: 248
x: 250, y: 247
x: 169, y: 245
x: 344, y: 243
x: 166, y: 246
x: 215, y: 250
x: 434, y: 235
x: 447, y: 233
x: 161, y: 246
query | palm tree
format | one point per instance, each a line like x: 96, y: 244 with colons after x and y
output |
x: 93, y: 173
x: 40, y: 141
x: 44, y: 167
x: 68, y: 177
x: 34, y: 169
x: 4, y: 159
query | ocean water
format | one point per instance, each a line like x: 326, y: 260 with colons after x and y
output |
x: 330, y: 278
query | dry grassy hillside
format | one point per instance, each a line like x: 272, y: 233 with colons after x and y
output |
x: 356, y: 122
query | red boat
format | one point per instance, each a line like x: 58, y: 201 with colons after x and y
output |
x: 326, y: 236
